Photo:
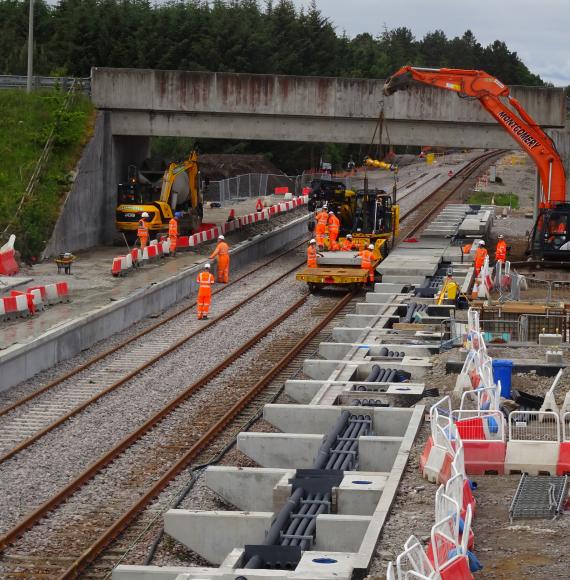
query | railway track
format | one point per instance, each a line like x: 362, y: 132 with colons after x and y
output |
x: 143, y: 464
x: 416, y: 217
x: 31, y: 418
x: 69, y: 531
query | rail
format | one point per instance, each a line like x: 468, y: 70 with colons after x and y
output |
x: 133, y: 373
x: 431, y: 204
x: 88, y: 555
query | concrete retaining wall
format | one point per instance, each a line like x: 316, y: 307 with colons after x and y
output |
x: 23, y: 361
x: 87, y: 215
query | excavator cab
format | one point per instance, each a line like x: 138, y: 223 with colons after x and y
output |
x: 372, y: 213
x: 550, y: 238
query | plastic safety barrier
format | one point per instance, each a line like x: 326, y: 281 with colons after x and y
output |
x: 534, y: 443
x: 483, y: 435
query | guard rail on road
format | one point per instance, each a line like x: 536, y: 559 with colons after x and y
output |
x: 38, y: 82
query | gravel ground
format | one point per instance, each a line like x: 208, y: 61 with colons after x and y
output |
x: 52, y: 462
x: 180, y: 326
x: 93, y: 500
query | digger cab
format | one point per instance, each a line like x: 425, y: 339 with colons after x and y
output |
x: 550, y: 238
x: 372, y: 212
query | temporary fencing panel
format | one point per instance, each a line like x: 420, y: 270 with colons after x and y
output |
x: 414, y: 559
x: 534, y: 442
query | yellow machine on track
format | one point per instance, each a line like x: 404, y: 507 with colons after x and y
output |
x: 368, y: 215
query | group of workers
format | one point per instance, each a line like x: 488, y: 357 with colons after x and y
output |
x: 143, y: 235
x: 481, y: 253
x: 327, y: 219
x: 366, y: 255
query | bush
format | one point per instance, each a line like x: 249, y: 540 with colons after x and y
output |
x: 25, y: 125
x: 487, y: 198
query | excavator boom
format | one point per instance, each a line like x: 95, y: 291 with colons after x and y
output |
x: 495, y: 97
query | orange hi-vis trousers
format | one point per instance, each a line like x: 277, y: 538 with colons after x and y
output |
x: 173, y: 241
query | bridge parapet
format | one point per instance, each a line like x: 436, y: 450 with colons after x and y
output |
x: 297, y: 96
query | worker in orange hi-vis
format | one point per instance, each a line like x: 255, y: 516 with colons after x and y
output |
x: 142, y: 231
x: 501, y: 250
x: 368, y: 259
x: 348, y: 244
x: 173, y: 232
x: 321, y: 227
x: 312, y: 254
x: 222, y: 251
x: 334, y: 230
x: 205, y: 282
x: 480, y: 255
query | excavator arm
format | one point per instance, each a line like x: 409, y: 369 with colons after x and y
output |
x: 174, y: 169
x: 492, y: 95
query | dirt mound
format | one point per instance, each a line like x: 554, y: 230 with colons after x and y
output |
x: 224, y: 165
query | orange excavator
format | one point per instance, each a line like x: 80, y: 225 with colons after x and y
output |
x: 550, y: 238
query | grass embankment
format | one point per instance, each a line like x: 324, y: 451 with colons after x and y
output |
x: 486, y: 198
x: 25, y: 124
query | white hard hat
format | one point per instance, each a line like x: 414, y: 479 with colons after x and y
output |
x: 207, y: 265
x: 313, y: 241
x: 501, y: 236
x: 220, y: 237
x: 331, y: 211
x: 144, y: 214
x: 349, y: 236
x: 370, y: 246
x: 481, y: 243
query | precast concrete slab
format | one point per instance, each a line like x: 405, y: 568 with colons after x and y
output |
x: 390, y: 287
x: 317, y: 419
x: 214, y: 534
x: 363, y: 320
x: 339, y: 259
x: 405, y: 279
x: 130, y: 572
x: 385, y: 297
x: 337, y: 532
x: 296, y: 450
x: 246, y: 488
x: 289, y: 451
x: 367, y: 334
x: 385, y: 394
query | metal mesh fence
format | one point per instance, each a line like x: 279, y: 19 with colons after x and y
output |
x: 262, y: 184
x: 534, y: 426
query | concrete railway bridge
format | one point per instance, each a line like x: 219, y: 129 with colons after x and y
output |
x: 137, y: 104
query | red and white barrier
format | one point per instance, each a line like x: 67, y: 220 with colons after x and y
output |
x: 58, y: 292
x: 483, y: 435
x: 534, y: 443
x: 157, y: 249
